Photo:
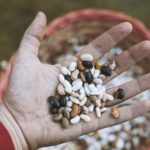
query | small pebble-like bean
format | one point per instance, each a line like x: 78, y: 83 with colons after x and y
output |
x: 69, y: 103
x: 83, y: 101
x: 92, y: 88
x: 75, y: 110
x: 68, y: 87
x: 86, y: 57
x: 109, y: 97
x: 63, y: 100
x: 82, y: 76
x: 96, y: 73
x: 120, y: 94
x: 114, y: 112
x: 66, y: 113
x: 60, y: 110
x: 97, y: 67
x: 68, y: 78
x: 74, y: 94
x: 65, y: 71
x: 80, y: 65
x: 61, y: 78
x: 97, y: 81
x: 77, y: 84
x: 72, y: 66
x: 105, y: 70
x: 84, y: 110
x: 75, y: 74
x: 65, y: 122
x: 87, y: 64
x: 75, y: 100
x: 54, y: 102
x: 61, y: 89
x: 112, y: 65
x: 88, y: 76
x: 91, y: 108
x: 53, y: 110
x: 84, y: 117
x: 104, y: 109
x: 86, y: 89
x: 98, y: 112
x: 82, y: 93
x: 57, y: 117
x: 75, y: 120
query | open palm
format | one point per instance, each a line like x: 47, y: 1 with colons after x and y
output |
x: 32, y: 82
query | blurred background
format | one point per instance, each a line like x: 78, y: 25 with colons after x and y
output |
x: 16, y: 15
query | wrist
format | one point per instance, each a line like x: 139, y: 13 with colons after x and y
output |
x: 13, y: 129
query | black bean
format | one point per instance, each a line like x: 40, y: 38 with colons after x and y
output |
x: 88, y: 76
x: 87, y: 64
x: 121, y: 93
x: 53, y: 110
x: 68, y: 78
x: 105, y: 70
x: 63, y: 100
x: 54, y: 102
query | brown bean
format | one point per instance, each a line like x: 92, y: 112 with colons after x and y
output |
x: 114, y: 112
x: 97, y: 67
x: 66, y: 113
x: 75, y: 110
x: 80, y: 65
x: 82, y: 76
x: 61, y: 110
x: 57, y: 117
x: 65, y: 122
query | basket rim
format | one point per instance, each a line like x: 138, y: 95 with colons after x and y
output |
x: 61, y: 22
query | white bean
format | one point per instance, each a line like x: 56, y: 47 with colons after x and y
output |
x: 86, y: 57
x: 77, y: 84
x: 98, y: 112
x: 84, y: 117
x: 102, y: 76
x: 75, y: 74
x: 109, y: 97
x: 83, y: 101
x: 65, y: 71
x: 98, y: 86
x: 96, y: 73
x: 91, y: 108
x: 68, y: 109
x: 82, y: 93
x: 86, y: 89
x: 67, y: 86
x: 74, y: 94
x: 69, y: 103
x: 61, y: 78
x: 92, y: 70
x: 75, y: 100
x: 75, y: 120
x: 72, y: 66
x: 92, y: 88
x: 97, y: 81
x: 60, y: 89
x: 104, y: 109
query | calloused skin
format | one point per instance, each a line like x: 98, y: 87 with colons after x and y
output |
x: 32, y: 82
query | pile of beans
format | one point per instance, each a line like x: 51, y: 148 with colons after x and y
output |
x: 81, y: 91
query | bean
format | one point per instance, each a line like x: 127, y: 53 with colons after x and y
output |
x: 88, y: 76
x: 120, y: 94
x: 105, y: 70
x: 61, y: 89
x: 109, y: 97
x: 91, y: 108
x: 75, y: 110
x: 82, y: 76
x: 86, y: 57
x: 65, y: 122
x: 57, y: 117
x: 75, y: 74
x: 77, y: 84
x: 68, y: 78
x: 65, y: 71
x: 53, y: 110
x: 72, y: 66
x: 80, y: 65
x: 96, y: 73
x: 54, y: 102
x: 84, y: 117
x: 97, y: 67
x: 114, y: 112
x: 75, y: 100
x: 87, y: 64
x: 112, y: 65
x: 75, y: 120
x: 62, y: 100
x: 83, y: 101
x: 66, y: 113
x: 84, y: 110
x: 98, y: 112
x: 60, y: 110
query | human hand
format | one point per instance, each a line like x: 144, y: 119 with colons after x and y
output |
x: 31, y: 82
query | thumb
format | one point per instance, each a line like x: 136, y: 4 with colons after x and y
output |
x: 32, y: 37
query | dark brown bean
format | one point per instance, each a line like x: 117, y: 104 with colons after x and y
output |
x: 53, y: 110
x: 105, y: 70
x: 120, y: 94
x: 88, y: 76
x: 63, y: 100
